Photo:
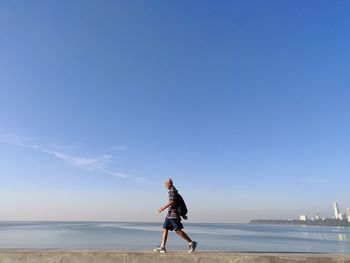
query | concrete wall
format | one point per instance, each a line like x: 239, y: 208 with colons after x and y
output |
x: 11, y: 256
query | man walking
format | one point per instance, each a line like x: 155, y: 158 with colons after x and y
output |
x: 173, y: 220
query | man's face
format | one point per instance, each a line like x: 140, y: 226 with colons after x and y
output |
x: 167, y: 184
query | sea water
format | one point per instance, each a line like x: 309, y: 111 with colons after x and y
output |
x: 145, y: 236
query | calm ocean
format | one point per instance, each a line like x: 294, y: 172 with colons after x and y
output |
x: 145, y: 236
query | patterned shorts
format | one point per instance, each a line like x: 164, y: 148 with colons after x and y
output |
x: 173, y: 224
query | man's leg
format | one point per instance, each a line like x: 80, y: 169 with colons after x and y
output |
x: 164, y: 237
x: 166, y: 227
x: 184, y: 235
x: 191, y: 244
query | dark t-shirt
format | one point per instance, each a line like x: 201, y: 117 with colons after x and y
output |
x: 172, y: 210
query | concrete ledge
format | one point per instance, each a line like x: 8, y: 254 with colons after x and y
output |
x: 50, y: 256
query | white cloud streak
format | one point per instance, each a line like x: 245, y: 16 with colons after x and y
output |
x: 315, y: 181
x: 81, y: 162
x: 121, y: 175
x: 119, y: 148
x: 96, y: 164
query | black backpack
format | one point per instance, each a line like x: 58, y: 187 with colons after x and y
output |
x: 181, y: 206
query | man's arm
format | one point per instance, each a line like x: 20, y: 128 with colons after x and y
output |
x: 171, y: 202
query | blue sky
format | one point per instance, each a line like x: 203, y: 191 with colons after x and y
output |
x: 245, y: 104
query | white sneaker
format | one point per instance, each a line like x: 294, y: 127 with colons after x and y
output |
x: 160, y: 249
x: 193, y: 246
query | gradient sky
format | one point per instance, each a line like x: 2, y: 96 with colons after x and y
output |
x: 245, y: 104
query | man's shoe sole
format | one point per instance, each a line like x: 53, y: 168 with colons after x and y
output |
x: 157, y: 251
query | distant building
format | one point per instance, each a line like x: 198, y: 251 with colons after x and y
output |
x: 303, y: 217
x: 336, y: 210
x: 348, y: 214
x: 317, y: 216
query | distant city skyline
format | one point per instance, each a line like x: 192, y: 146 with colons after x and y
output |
x: 244, y: 104
x: 337, y: 214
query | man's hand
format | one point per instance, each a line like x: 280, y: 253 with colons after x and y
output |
x: 166, y: 206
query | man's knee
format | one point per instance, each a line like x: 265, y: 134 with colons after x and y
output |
x: 179, y: 231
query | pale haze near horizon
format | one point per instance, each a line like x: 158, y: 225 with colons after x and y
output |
x: 245, y: 104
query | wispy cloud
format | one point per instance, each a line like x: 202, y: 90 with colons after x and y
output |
x: 121, y: 175
x: 11, y: 139
x: 119, y: 148
x: 315, y: 181
x: 81, y: 162
x: 98, y: 163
